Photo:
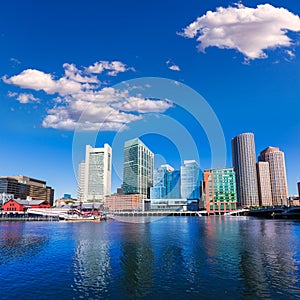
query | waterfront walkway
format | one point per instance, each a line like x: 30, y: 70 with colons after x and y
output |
x: 156, y: 213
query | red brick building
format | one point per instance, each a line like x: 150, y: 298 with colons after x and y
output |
x: 123, y: 202
x: 22, y: 205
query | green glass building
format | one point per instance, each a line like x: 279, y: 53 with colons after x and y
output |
x: 138, y: 168
x: 219, y: 190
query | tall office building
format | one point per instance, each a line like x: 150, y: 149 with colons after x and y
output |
x: 23, y: 186
x: 138, y: 169
x: 190, y: 180
x: 166, y: 183
x: 94, y: 174
x: 80, y: 178
x: 264, y: 184
x: 219, y: 190
x: 276, y: 161
x: 244, y: 163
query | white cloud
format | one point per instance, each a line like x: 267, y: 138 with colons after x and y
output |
x: 23, y: 98
x: 113, y: 68
x: 141, y: 105
x: 26, y: 98
x: 172, y: 66
x: 290, y: 53
x: 32, y: 79
x: 81, y: 102
x: 248, y: 30
x: 72, y: 73
x: 12, y: 94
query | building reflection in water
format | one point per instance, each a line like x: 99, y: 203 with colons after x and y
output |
x: 136, y: 259
x: 258, y: 254
x: 267, y: 259
x: 91, y: 261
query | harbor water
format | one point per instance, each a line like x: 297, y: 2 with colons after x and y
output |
x: 167, y: 258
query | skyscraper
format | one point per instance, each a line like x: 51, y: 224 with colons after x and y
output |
x: 190, y: 180
x: 166, y: 183
x: 80, y: 178
x: 276, y: 161
x: 264, y: 184
x: 94, y: 175
x: 244, y: 163
x: 138, y: 169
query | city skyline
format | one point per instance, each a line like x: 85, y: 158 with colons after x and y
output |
x: 52, y: 72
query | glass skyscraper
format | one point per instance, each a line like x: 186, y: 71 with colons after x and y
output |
x: 244, y: 163
x: 190, y: 180
x: 166, y: 183
x: 138, y: 168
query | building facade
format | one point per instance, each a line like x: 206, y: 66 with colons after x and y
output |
x: 275, y: 158
x: 244, y: 163
x: 264, y: 184
x: 12, y: 205
x: 94, y: 174
x: 138, y: 168
x: 298, y: 188
x: 23, y: 186
x: 219, y: 190
x: 119, y: 202
x: 81, y: 181
x: 191, y: 176
x: 166, y: 183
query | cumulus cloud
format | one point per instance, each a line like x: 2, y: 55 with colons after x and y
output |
x: 113, y: 68
x: 26, y: 98
x: 72, y: 73
x: 172, y: 66
x: 247, y: 30
x: 23, y: 98
x: 142, y: 105
x: 80, y: 101
x: 40, y: 81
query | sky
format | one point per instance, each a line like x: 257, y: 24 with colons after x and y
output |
x: 184, y: 76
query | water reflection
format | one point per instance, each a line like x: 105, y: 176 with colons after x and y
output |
x: 91, y: 261
x: 267, y: 264
x: 17, y: 244
x: 174, y: 258
x: 136, y: 259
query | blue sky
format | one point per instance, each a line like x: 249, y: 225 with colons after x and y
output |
x: 59, y: 59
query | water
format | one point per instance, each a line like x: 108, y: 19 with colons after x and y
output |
x: 172, y: 258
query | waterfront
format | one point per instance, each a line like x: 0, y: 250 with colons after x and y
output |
x: 171, y: 258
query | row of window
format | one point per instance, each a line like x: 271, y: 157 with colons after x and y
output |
x: 222, y: 207
x: 11, y: 209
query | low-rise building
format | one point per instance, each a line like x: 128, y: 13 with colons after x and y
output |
x: 294, y: 201
x: 119, y: 202
x: 22, y: 205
